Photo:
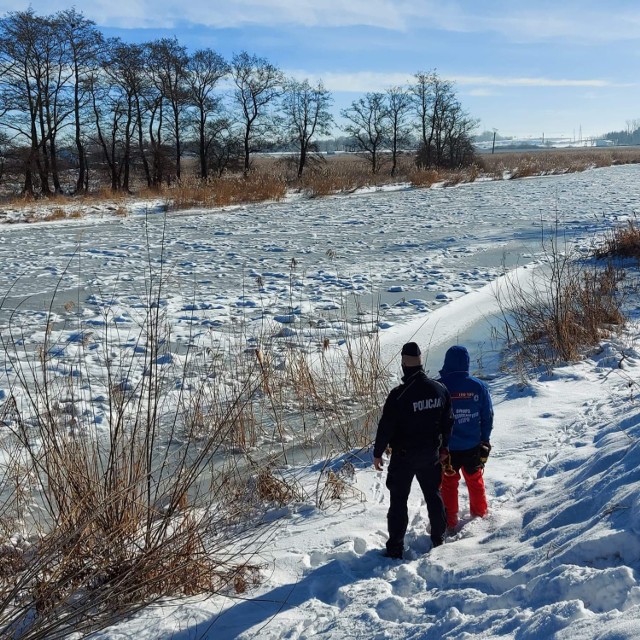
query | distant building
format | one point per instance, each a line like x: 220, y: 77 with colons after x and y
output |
x: 602, y: 142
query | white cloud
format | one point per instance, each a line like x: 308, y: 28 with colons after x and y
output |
x: 497, y: 81
x: 521, y: 20
x: 482, y: 93
x: 363, y: 81
x: 265, y: 13
x: 357, y: 82
x: 514, y: 20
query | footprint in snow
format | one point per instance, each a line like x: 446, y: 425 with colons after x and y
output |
x: 378, y: 488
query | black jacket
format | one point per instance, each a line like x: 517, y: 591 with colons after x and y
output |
x: 416, y: 416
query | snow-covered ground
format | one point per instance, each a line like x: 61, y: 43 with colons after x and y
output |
x: 559, y: 554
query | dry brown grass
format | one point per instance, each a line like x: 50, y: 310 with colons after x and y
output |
x: 348, y: 172
x: 108, y: 523
x: 520, y: 164
x: 120, y: 212
x: 622, y: 242
x: 62, y: 207
x: 344, y: 173
x: 567, y: 310
x: 277, y: 490
x: 228, y: 190
x: 60, y: 213
x: 424, y: 177
x: 272, y: 176
x: 104, y: 193
x: 52, y: 215
x: 324, y: 181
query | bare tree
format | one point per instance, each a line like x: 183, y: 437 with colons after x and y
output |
x: 258, y: 84
x: 429, y: 91
x: 84, y: 44
x: 306, y: 114
x: 32, y: 88
x: 205, y: 69
x: 116, y: 90
x: 168, y: 69
x: 106, y: 107
x: 458, y: 127
x: 441, y: 122
x: 57, y: 106
x: 368, y: 124
x: 226, y: 145
x: 4, y: 146
x: 399, y: 106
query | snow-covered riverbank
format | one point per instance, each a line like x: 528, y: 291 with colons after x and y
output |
x: 558, y: 555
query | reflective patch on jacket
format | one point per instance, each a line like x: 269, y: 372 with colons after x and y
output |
x: 465, y: 395
x: 427, y: 403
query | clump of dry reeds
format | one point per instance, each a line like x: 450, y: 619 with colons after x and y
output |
x: 93, y: 525
x: 338, y: 485
x: 224, y: 191
x: 342, y: 174
x: 424, y: 177
x: 622, y: 242
x: 570, y: 307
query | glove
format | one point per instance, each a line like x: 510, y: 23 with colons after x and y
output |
x: 483, y: 451
x: 443, y: 455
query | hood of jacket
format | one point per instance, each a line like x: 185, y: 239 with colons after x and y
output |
x: 456, y: 360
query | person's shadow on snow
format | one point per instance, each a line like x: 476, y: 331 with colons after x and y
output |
x: 321, y: 583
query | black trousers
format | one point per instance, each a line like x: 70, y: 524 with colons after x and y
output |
x: 404, y: 466
x: 467, y: 458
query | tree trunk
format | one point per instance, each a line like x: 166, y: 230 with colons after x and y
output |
x: 394, y: 158
x: 303, y: 160
x: 42, y: 163
x: 247, y: 153
x: 55, y: 174
x: 178, y: 157
x: 80, y: 182
x: 143, y: 155
x: 27, y: 188
x: 204, y: 171
x: 126, y: 160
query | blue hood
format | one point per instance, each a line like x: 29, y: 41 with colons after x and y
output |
x: 456, y: 360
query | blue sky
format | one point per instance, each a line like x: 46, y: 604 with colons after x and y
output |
x: 522, y: 67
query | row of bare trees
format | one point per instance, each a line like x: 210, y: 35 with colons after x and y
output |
x: 387, y: 122
x: 70, y: 96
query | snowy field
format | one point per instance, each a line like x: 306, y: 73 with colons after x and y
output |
x: 559, y: 554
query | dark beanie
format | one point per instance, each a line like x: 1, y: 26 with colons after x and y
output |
x: 411, y: 355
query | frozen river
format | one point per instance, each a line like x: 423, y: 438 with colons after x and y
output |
x: 307, y: 271
x: 406, y: 249
x: 78, y: 298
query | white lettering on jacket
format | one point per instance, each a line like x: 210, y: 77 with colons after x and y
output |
x: 428, y: 403
x: 463, y: 416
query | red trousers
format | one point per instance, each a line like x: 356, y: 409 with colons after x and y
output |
x: 475, y: 484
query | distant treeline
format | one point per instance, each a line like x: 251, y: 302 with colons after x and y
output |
x: 628, y: 136
x: 73, y: 100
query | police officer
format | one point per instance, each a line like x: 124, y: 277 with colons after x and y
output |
x: 469, y: 443
x: 416, y: 422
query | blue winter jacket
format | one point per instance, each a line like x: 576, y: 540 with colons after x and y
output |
x: 470, y: 399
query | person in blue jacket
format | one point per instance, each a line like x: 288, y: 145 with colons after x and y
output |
x: 469, y: 444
